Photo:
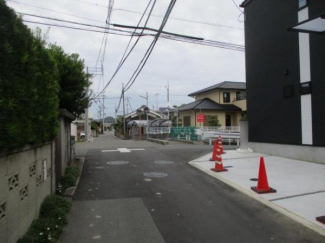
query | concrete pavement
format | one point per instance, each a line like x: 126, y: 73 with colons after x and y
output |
x: 300, y: 185
x: 116, y: 202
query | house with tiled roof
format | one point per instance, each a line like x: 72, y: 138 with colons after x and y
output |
x: 226, y: 100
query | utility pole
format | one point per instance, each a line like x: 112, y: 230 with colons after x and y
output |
x: 123, y: 111
x: 147, y: 98
x: 103, y: 113
x: 167, y: 87
x: 147, y: 115
x: 157, y: 101
x: 115, y: 114
x: 86, y: 116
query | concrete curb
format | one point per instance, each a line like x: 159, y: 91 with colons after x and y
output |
x: 181, y: 141
x: 163, y: 142
x: 266, y: 202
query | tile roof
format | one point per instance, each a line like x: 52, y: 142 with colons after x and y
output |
x: 208, y: 104
x: 222, y: 85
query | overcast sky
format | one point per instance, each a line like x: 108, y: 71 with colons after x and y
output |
x: 187, y: 67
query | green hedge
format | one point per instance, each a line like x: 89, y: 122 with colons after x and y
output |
x: 28, y: 85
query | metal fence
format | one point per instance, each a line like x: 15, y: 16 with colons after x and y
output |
x: 228, y: 134
x: 221, y: 129
x: 159, y: 130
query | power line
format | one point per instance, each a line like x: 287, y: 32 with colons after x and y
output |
x: 186, y: 20
x: 73, y: 22
x: 211, y: 43
x: 99, y: 5
x: 75, y: 28
x: 123, y: 59
x: 151, y: 29
x: 237, y: 6
x: 150, y: 49
x: 102, y: 49
x: 173, y: 18
x: 54, y: 11
x: 204, y: 42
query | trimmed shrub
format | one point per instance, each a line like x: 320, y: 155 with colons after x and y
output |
x: 28, y: 85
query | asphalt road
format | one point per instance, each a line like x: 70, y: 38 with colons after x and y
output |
x: 118, y: 204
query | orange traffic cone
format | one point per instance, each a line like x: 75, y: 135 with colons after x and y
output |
x: 220, y: 145
x: 218, y: 167
x: 262, y: 184
x: 321, y: 219
x: 214, y: 151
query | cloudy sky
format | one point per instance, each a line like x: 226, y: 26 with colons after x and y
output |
x: 186, y: 67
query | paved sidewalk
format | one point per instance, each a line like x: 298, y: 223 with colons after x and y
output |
x: 300, y: 185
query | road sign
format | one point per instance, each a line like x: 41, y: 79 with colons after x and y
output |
x: 200, y: 118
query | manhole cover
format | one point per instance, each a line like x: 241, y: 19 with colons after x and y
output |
x: 155, y: 174
x: 254, y: 179
x: 164, y: 162
x: 117, y: 162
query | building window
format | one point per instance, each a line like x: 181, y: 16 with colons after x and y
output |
x: 302, y: 3
x: 187, y: 121
x: 238, y: 96
x: 226, y: 97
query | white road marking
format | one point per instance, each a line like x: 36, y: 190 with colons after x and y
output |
x: 97, y: 237
x: 122, y: 150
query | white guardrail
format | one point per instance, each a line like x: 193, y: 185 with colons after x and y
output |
x: 226, y: 133
x: 159, y: 130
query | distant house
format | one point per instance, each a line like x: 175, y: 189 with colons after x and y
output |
x: 152, y: 115
x: 285, y: 75
x: 226, y: 100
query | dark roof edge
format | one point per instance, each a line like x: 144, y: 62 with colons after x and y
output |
x: 206, y: 91
x: 245, y: 3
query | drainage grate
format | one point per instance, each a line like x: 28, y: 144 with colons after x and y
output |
x: 164, y: 162
x: 117, y: 162
x: 253, y: 179
x: 155, y: 174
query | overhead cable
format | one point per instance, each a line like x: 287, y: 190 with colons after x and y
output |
x: 75, y: 28
x: 124, y: 57
x: 54, y: 11
x: 172, y: 18
x: 150, y: 49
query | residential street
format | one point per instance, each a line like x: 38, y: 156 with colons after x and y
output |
x: 115, y: 202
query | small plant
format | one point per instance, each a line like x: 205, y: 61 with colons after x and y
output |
x: 69, y: 179
x: 244, y: 117
x: 51, y: 222
x: 213, y: 121
x: 72, y: 171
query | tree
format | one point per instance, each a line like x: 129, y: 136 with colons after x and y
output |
x: 73, y: 80
x: 213, y: 121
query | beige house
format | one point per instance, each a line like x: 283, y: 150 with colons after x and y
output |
x: 227, y: 100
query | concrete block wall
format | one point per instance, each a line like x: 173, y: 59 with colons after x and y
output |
x: 25, y: 180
